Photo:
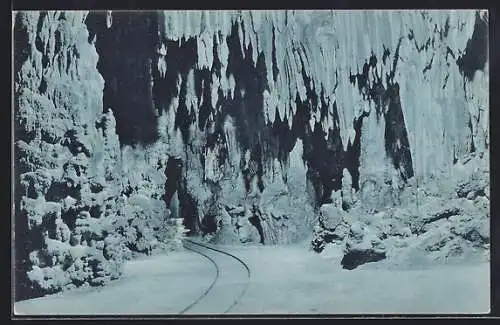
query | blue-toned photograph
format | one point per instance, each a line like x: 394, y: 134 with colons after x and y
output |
x: 250, y: 162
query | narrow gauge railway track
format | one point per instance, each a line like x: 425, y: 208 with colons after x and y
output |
x: 231, y: 272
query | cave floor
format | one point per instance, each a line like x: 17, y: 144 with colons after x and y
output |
x: 284, y: 280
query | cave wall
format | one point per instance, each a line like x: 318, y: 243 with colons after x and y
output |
x: 235, y: 91
x: 272, y: 114
x: 84, y: 201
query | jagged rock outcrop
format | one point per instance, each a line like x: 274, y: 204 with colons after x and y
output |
x: 438, y: 225
x: 81, y: 207
x: 66, y: 149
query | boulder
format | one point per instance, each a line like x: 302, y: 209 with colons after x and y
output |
x: 473, y: 187
x: 357, y: 257
x: 331, y: 216
x: 362, y: 246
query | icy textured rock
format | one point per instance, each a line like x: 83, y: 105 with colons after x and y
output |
x: 58, y: 110
x: 438, y: 227
x: 278, y: 112
x: 70, y: 176
x: 330, y: 216
x: 243, y: 86
x: 424, y: 42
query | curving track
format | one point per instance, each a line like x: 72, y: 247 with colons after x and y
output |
x: 229, y: 285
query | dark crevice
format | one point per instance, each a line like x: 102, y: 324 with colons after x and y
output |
x: 39, y: 45
x: 173, y: 174
x: 96, y: 188
x: 362, y: 78
x: 246, y: 108
x: 476, y: 50
x: 424, y: 46
x: 390, y: 77
x: 58, y: 42
x: 72, y: 142
x: 184, y: 117
x: 216, y: 65
x: 397, y: 145
x: 387, y: 104
x: 444, y: 215
x: 21, y: 45
x: 203, y: 81
x: 354, y: 152
x: 43, y: 86
x: 255, y: 221
x: 188, y: 212
x: 69, y: 217
x: 446, y: 80
x: 444, y: 33
x: 209, y: 224
x: 386, y: 54
x: 428, y: 66
x: 449, y: 51
x: 471, y: 129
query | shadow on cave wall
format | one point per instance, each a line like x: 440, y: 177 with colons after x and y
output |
x: 125, y: 62
x: 387, y: 105
x: 476, y: 51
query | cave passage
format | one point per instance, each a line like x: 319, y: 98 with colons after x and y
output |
x: 125, y: 62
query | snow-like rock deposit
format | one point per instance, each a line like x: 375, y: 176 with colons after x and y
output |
x: 252, y: 126
x: 83, y: 204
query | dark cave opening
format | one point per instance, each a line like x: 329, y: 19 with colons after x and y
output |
x: 255, y: 221
x: 128, y: 78
x: 181, y: 203
x: 251, y: 80
x: 476, y: 50
x: 326, y: 162
x: 209, y: 224
x: 189, y: 213
x: 323, y: 151
x: 173, y: 173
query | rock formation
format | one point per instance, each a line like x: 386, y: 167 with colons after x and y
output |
x: 253, y: 126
